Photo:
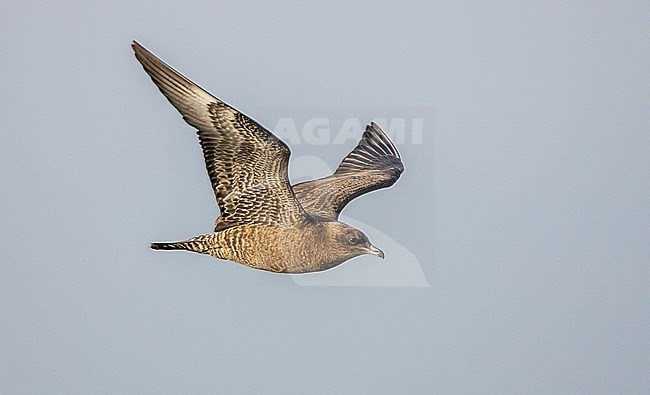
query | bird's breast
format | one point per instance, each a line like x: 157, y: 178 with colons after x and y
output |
x: 274, y: 248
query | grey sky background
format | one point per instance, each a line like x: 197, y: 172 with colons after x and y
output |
x: 527, y: 205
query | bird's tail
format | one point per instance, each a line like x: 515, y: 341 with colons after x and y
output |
x: 169, y: 246
x: 198, y: 244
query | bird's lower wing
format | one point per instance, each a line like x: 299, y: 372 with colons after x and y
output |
x: 373, y: 164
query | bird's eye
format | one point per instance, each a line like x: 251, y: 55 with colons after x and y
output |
x: 353, y: 240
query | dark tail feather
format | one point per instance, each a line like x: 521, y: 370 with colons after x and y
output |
x: 198, y: 244
x: 168, y: 246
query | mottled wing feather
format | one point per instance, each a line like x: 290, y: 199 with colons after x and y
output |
x: 246, y: 163
x: 373, y: 164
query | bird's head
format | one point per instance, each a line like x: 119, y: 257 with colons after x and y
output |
x: 349, y: 242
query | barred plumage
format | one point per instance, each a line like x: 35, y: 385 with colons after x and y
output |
x: 265, y: 223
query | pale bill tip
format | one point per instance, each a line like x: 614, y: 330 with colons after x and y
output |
x: 376, y: 251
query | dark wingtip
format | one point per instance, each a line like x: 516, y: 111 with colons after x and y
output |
x: 374, y: 151
x: 377, y: 135
x: 140, y: 51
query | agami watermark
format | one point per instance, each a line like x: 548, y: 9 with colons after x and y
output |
x: 312, y: 130
x: 323, y: 131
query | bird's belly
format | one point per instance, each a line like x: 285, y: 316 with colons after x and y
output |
x: 275, y: 249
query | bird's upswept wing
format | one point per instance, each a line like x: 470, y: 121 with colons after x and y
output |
x: 373, y: 164
x: 246, y: 163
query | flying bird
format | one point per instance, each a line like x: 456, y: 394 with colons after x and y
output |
x: 265, y: 222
